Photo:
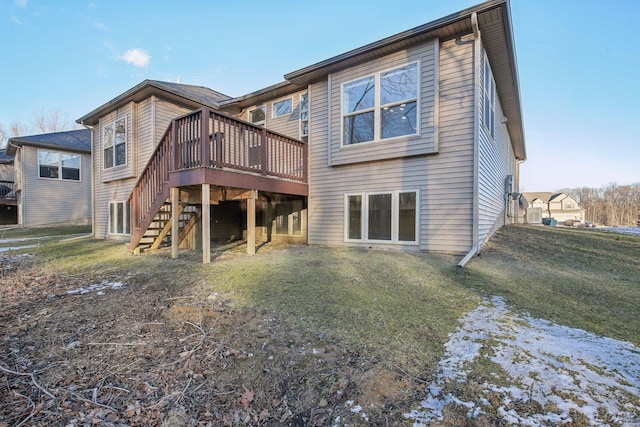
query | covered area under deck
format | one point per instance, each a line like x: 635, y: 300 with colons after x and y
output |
x: 255, y: 178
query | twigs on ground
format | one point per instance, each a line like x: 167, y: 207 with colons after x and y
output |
x: 33, y: 379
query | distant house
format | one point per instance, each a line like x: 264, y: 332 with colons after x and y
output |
x: 558, y: 206
x: 8, y: 197
x: 412, y: 142
x: 52, y: 177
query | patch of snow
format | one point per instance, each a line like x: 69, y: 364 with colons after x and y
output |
x: 98, y: 287
x: 562, y: 369
x: 633, y: 231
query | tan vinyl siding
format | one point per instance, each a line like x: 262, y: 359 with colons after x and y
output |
x: 423, y: 143
x: 496, y: 161
x: 140, y: 145
x: 288, y: 124
x: 6, y: 172
x: 444, y: 180
x: 54, y: 201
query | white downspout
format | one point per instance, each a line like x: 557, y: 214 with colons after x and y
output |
x: 477, y: 52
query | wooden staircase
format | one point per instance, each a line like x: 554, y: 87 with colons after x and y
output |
x: 206, y: 146
x: 158, y: 234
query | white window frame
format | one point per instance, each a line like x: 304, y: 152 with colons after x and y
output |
x: 489, y: 99
x: 60, y: 154
x: 126, y: 225
x: 274, y: 110
x: 395, y: 214
x: 262, y: 123
x: 378, y: 106
x: 113, y: 144
x: 304, y: 116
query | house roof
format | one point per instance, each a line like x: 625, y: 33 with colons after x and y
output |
x: 190, y: 96
x: 4, y: 158
x: 545, y: 196
x: 494, y: 21
x: 78, y: 141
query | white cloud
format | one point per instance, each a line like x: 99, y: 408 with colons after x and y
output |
x: 16, y: 20
x: 21, y: 3
x: 136, y: 57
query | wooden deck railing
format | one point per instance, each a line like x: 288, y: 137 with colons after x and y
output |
x: 208, y: 139
x: 8, y: 190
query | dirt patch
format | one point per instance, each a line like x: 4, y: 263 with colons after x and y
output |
x: 119, y: 351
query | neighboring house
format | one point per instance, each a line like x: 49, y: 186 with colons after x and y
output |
x: 412, y: 142
x: 53, y: 177
x: 8, y: 196
x: 558, y: 206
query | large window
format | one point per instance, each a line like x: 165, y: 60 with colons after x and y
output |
x: 381, y: 106
x: 119, y: 220
x: 382, y: 217
x: 56, y: 165
x: 489, y: 98
x: 304, y: 117
x: 114, y: 143
x: 282, y: 108
x: 289, y: 218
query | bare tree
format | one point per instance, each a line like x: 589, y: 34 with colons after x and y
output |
x: 3, y: 138
x: 47, y: 120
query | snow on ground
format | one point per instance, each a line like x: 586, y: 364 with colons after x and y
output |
x: 97, y: 287
x: 548, y: 374
x: 634, y: 231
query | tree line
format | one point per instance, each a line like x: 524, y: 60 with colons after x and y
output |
x: 612, y: 205
x: 43, y: 120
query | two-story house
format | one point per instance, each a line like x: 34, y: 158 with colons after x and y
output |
x: 559, y: 206
x: 52, y: 173
x: 411, y: 142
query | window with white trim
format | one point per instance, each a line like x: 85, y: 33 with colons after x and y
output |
x: 114, y: 143
x: 258, y: 116
x: 304, y: 116
x: 57, y: 165
x: 381, y: 106
x: 119, y: 218
x: 282, y: 108
x: 489, y: 98
x: 389, y: 217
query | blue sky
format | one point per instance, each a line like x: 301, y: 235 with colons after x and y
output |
x: 578, y: 63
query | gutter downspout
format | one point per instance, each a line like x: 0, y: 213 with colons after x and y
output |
x: 477, y: 52
x: 93, y: 184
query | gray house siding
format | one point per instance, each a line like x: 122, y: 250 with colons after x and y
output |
x: 53, y: 201
x: 496, y: 162
x: 443, y: 179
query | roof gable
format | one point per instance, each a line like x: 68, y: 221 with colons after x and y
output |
x: 191, y: 96
x: 74, y: 140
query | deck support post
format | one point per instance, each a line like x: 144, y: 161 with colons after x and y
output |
x: 206, y: 223
x: 175, y: 196
x: 251, y: 222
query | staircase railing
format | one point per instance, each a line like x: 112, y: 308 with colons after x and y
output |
x: 206, y: 138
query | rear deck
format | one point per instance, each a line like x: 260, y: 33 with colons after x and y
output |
x: 206, y: 149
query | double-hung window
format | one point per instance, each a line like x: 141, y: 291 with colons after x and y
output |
x: 56, y: 165
x: 114, y: 143
x: 382, y: 217
x: 381, y: 106
x: 489, y: 98
x: 119, y: 219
